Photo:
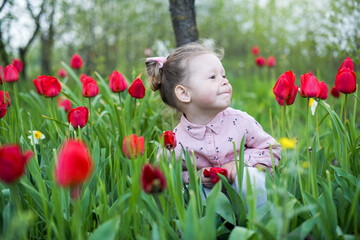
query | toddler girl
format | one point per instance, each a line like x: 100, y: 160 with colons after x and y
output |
x: 193, y: 81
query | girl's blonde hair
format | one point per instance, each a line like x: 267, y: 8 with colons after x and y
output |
x: 174, y: 70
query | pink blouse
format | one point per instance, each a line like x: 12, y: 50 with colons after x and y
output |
x: 213, y: 143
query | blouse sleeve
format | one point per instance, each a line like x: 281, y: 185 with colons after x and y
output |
x: 257, y: 145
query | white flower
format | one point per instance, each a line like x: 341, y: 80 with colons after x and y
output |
x: 37, y: 135
x: 313, y: 104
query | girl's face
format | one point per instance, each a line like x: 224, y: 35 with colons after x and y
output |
x: 208, y: 87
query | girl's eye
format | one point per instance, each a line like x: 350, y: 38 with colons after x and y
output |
x: 212, y: 77
x: 224, y: 76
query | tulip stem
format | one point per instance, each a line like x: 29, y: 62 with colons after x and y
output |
x: 307, y: 123
x: 317, y: 127
x: 16, y: 198
x: 136, y: 124
x: 346, y: 165
x: 284, y: 121
x: 18, y: 117
x: 119, y: 100
x: 90, y: 123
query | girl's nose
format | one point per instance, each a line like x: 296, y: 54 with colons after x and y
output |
x: 224, y: 81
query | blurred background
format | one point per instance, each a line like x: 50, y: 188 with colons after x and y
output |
x: 302, y: 35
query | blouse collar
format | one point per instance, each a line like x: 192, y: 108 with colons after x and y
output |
x: 198, y: 131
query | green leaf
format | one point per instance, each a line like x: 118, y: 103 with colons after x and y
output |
x: 303, y: 230
x: 241, y: 233
x: 213, y: 203
x: 107, y: 230
x: 236, y: 201
x: 322, y: 221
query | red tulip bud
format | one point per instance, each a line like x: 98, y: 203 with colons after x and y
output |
x: 117, y: 82
x: 17, y: 64
x: 152, y: 179
x: 89, y: 87
x: 78, y: 117
x: 133, y: 146
x: 213, y: 173
x: 12, y: 163
x: 74, y: 164
x: 48, y: 86
x: 169, y: 140
x: 11, y: 74
x: 309, y: 86
x: 76, y: 61
x: 137, y: 88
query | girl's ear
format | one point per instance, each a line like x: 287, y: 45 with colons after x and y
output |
x: 182, y: 94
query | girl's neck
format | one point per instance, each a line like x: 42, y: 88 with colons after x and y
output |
x: 200, y: 118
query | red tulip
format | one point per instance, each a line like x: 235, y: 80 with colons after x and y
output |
x: 1, y: 74
x: 11, y: 74
x: 133, y: 146
x: 260, y: 61
x: 255, y: 51
x: 334, y: 92
x: 117, y: 82
x: 62, y: 73
x: 2, y: 98
x: 169, y: 139
x: 89, y: 87
x: 152, y: 179
x: 271, y: 62
x: 82, y: 77
x: 47, y: 85
x: 345, y: 81
x: 17, y: 64
x: 64, y: 103
x: 74, y: 164
x: 285, y: 90
x: 78, y: 117
x: 323, y: 91
x: 310, y: 86
x: 137, y: 89
x: 3, y: 109
x: 3, y: 104
x: 213, y: 173
x: 12, y: 163
x: 347, y: 63
x: 76, y: 61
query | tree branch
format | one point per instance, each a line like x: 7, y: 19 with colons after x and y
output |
x: 37, y: 23
x: 2, y: 5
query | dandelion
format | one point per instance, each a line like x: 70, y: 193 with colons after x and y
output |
x: 288, y: 143
x: 36, y: 135
x: 305, y: 164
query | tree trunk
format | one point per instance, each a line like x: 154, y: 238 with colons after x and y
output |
x: 184, y: 21
x: 4, y: 55
x: 47, y: 42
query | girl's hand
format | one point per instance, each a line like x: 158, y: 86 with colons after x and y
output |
x: 231, y: 168
x: 206, y: 181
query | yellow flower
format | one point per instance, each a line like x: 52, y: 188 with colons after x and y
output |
x: 37, y: 136
x: 305, y: 164
x: 287, y: 142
